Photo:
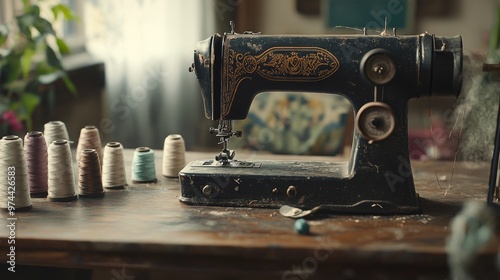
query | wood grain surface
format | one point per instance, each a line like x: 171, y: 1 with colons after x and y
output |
x: 146, y: 227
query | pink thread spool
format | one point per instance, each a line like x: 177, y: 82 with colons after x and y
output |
x: 35, y: 149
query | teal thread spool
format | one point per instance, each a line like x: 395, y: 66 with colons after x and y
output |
x: 143, y: 166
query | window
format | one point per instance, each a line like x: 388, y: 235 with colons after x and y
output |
x: 71, y: 31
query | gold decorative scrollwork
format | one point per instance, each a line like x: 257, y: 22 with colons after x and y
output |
x: 277, y: 64
x: 297, y: 64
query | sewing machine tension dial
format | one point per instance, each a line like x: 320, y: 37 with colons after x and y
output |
x: 375, y: 121
x: 378, y: 66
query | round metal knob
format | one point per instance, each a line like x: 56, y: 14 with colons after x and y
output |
x: 375, y: 121
x: 378, y: 67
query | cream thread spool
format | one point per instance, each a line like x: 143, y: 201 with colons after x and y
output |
x: 35, y: 150
x: 89, y: 139
x: 14, y: 186
x: 113, y: 167
x: 61, y: 183
x: 89, y: 174
x: 55, y: 130
x: 174, y: 159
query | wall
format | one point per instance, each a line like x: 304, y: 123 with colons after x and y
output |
x: 472, y: 20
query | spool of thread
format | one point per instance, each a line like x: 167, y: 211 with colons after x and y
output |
x: 61, y: 183
x: 143, y: 166
x: 13, y: 174
x: 35, y: 149
x: 89, y: 139
x: 174, y: 151
x: 89, y: 174
x: 55, y: 130
x: 113, y: 167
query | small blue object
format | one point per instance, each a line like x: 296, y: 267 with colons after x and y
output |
x: 143, y: 166
x: 301, y: 226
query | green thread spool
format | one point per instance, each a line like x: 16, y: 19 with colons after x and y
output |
x: 143, y: 166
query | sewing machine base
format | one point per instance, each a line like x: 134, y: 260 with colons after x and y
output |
x: 271, y: 184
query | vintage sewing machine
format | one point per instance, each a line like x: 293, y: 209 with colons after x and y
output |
x: 378, y: 74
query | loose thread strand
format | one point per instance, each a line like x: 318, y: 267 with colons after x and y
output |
x: 456, y: 153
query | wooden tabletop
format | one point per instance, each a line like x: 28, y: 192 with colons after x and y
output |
x: 146, y: 227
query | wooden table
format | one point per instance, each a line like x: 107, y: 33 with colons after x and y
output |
x: 143, y: 232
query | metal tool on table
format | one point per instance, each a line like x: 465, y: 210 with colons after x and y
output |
x: 378, y: 74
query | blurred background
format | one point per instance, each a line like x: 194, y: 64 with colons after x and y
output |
x: 129, y: 61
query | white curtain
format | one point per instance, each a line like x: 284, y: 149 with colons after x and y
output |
x: 147, y: 47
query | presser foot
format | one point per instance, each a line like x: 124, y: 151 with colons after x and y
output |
x: 225, y: 156
x: 225, y: 132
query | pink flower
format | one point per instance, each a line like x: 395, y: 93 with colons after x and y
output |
x: 10, y: 117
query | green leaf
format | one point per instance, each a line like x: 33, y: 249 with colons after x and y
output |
x: 29, y: 102
x: 61, y: 8
x: 52, y: 58
x: 4, y: 33
x: 13, y: 68
x: 31, y: 86
x: 69, y: 85
x: 25, y: 22
x: 49, y: 78
x: 50, y: 97
x: 26, y: 3
x: 44, y: 68
x: 61, y: 44
x: 14, y: 106
x: 43, y: 26
x: 16, y: 86
x: 33, y: 10
x: 26, y: 61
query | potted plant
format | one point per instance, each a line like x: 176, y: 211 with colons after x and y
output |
x: 30, y: 63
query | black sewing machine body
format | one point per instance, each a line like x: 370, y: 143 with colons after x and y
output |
x: 377, y: 74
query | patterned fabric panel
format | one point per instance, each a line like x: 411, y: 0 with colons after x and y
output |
x: 294, y: 123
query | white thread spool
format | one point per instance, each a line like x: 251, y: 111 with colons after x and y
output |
x: 173, y: 155
x: 89, y: 139
x: 113, y: 167
x: 61, y: 184
x: 55, y: 130
x: 13, y: 174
